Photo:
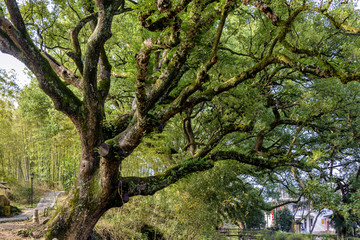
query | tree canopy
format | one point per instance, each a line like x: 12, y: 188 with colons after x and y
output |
x: 268, y: 85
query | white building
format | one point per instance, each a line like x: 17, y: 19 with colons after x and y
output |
x: 311, y: 220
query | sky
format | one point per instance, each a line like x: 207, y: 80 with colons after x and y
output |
x: 8, y: 62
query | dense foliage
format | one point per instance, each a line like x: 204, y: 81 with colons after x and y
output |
x: 249, y: 93
x: 284, y: 219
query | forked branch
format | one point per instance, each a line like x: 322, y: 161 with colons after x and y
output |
x: 74, y: 35
x: 67, y: 75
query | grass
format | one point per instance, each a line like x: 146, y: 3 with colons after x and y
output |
x: 268, y: 235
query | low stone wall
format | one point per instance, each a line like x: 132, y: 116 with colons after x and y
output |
x: 4, y: 201
x: 5, y: 208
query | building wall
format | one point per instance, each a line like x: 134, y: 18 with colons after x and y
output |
x: 322, y: 224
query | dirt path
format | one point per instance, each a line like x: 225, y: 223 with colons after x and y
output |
x: 19, y: 227
x: 46, y: 202
x: 17, y: 230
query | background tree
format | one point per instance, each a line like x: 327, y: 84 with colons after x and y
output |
x: 284, y: 219
x: 8, y: 91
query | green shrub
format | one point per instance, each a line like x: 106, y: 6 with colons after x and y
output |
x: 280, y: 236
x: 286, y: 236
x: 21, y: 193
x: 298, y: 236
x: 14, y: 209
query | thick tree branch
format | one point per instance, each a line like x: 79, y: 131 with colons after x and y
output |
x: 64, y: 100
x: 113, y: 128
x: 298, y: 179
x: 277, y: 121
x: 332, y: 72
x: 163, y: 22
x: 142, y: 62
x: 7, y: 46
x: 171, y: 75
x: 15, y: 16
x: 143, y: 90
x: 96, y: 41
x: 131, y: 137
x: 150, y: 185
x: 313, y: 53
x: 264, y: 8
x: 316, y: 71
x: 74, y: 33
x: 186, y: 100
x: 133, y: 186
x: 105, y: 74
x: 202, y: 75
x: 333, y: 20
x: 68, y: 76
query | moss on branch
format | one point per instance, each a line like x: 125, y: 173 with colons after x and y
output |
x: 150, y: 185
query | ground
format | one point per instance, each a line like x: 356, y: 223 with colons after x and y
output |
x: 21, y: 230
x: 16, y: 227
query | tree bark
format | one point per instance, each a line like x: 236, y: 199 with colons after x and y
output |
x: 341, y: 234
x: 95, y: 192
x: 77, y: 219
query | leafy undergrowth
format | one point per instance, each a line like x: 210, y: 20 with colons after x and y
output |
x: 297, y: 236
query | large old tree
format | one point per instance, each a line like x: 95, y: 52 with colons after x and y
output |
x: 226, y: 60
